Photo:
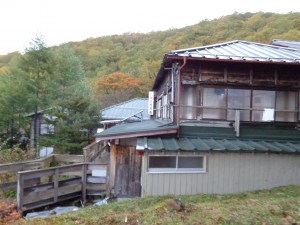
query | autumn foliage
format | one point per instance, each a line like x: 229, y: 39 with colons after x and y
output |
x: 116, y: 87
x: 9, y: 212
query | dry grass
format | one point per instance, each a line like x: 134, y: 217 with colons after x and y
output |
x: 276, y: 206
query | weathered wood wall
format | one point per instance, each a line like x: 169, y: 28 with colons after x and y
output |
x: 226, y: 173
x: 127, y: 172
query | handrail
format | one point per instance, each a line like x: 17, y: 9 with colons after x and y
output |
x: 75, y: 183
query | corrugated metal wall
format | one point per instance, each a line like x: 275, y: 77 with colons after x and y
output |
x: 226, y: 173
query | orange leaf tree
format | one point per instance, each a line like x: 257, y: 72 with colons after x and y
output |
x: 114, y: 88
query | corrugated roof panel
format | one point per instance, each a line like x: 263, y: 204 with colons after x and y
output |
x: 229, y: 145
x: 200, y: 144
x: 286, y: 43
x: 186, y: 144
x: 284, y: 147
x: 242, y: 50
x: 271, y: 146
x: 125, y: 109
x: 170, y: 144
x: 294, y: 146
x: 243, y: 145
x: 141, y: 144
x: 257, y: 146
x: 155, y: 144
x: 214, y: 144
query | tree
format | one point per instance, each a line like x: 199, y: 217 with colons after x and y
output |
x: 116, y: 87
x: 13, y: 101
x: 73, y: 111
x: 37, y: 63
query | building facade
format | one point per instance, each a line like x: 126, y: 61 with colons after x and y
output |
x: 224, y: 119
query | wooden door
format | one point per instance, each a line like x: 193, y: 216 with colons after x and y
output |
x: 128, y: 172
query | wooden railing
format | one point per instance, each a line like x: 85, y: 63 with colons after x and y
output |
x: 60, y: 184
x: 9, y: 171
x: 93, y: 151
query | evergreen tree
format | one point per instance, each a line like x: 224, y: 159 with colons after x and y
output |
x: 73, y: 111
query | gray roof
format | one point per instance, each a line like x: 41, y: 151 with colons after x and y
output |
x: 216, y: 144
x: 242, y: 50
x: 287, y: 43
x: 138, y: 128
x: 126, y: 109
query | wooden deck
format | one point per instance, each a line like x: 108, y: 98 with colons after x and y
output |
x: 58, y: 184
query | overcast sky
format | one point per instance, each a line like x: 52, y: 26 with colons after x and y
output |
x: 62, y: 21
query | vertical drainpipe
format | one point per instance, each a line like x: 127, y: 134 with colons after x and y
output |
x: 179, y: 92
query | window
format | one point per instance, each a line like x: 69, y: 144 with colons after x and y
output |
x: 263, y: 104
x: 239, y: 99
x: 214, y: 103
x: 286, y: 104
x: 173, y: 164
x: 188, y: 100
x: 253, y: 105
x: 47, y: 129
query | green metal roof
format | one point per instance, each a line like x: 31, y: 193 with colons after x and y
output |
x: 139, y: 128
x: 216, y: 144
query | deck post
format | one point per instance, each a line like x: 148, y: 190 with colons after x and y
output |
x: 56, y: 179
x: 84, y: 178
x: 20, y: 191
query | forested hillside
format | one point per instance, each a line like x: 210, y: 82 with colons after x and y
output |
x: 141, y: 54
x: 118, y: 67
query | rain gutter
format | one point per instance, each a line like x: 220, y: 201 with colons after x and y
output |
x: 179, y: 91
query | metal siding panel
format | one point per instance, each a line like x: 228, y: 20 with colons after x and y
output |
x: 193, y: 183
x: 160, y: 184
x: 166, y: 185
x: 219, y: 175
x: 214, y: 167
x: 172, y: 186
x: 226, y: 164
x: 183, y: 184
x: 177, y: 184
x: 234, y: 173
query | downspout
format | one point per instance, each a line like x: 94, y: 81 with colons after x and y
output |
x: 179, y: 92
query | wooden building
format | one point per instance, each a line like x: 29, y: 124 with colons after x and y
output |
x: 224, y: 119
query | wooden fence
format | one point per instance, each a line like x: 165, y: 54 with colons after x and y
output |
x: 9, y: 171
x: 60, y: 184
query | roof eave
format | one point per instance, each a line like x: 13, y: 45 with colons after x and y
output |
x: 171, y: 57
x: 136, y: 134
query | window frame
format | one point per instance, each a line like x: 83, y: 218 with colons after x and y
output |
x: 177, y: 170
x: 296, y: 115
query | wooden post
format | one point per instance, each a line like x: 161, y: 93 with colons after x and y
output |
x: 20, y: 191
x: 83, y: 187
x: 56, y: 180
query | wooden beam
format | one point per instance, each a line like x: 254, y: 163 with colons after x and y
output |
x: 83, y: 188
